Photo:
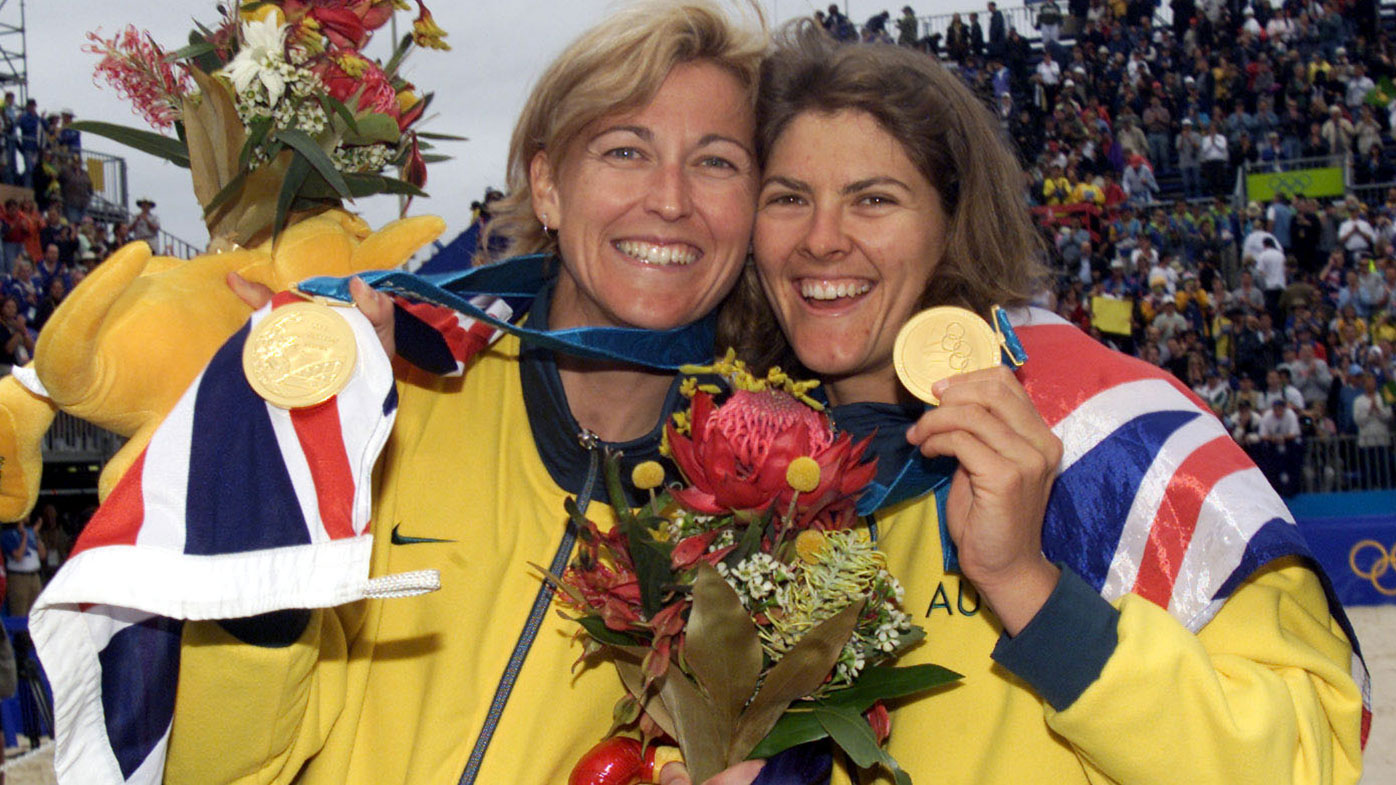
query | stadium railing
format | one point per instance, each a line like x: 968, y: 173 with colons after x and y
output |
x: 1337, y: 463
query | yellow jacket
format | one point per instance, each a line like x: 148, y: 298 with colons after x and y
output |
x: 1263, y: 694
x: 397, y: 691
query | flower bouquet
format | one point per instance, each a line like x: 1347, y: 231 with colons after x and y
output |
x: 276, y: 110
x: 747, y: 611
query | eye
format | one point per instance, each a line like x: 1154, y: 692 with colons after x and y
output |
x: 623, y: 154
x: 876, y: 200
x: 716, y: 162
x: 783, y: 198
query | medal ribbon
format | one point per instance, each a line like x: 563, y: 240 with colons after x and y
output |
x: 919, y: 475
x: 522, y: 277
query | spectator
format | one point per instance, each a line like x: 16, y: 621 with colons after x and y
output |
x: 146, y: 225
x: 24, y: 554
x: 75, y: 185
x: 19, y: 344
x: 1372, y: 416
x: 1188, y: 146
x: 1214, y: 158
x: 998, y: 31
x: 908, y: 27
x: 1337, y: 132
x: 1139, y: 183
x: 1049, y: 23
x: 1354, y: 234
x: 55, y: 291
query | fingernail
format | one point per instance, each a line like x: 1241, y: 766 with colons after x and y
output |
x: 939, y: 387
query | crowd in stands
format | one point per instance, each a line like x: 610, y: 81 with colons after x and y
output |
x: 49, y: 242
x: 1279, y: 312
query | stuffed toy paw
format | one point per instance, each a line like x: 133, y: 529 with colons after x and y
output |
x: 126, y: 343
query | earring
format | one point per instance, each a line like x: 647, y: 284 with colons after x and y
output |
x: 544, y: 219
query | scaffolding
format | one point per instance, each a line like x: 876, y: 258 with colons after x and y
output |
x: 14, y: 63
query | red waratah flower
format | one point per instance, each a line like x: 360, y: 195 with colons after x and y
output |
x: 737, y: 454
x: 346, y: 74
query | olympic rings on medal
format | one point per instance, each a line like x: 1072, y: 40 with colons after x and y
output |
x: 1384, y: 562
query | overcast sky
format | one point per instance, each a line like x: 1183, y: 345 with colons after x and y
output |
x: 499, y: 47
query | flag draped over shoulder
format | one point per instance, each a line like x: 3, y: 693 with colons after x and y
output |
x: 235, y: 508
x: 1154, y: 497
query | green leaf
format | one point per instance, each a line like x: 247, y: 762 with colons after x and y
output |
x: 296, y: 173
x: 206, y: 61
x: 150, y: 142
x: 619, y: 501
x: 370, y: 184
x: 792, y: 729
x: 796, y: 675
x: 722, y: 647
x: 194, y: 49
x: 399, y: 52
x: 301, y: 142
x: 855, y: 737
x: 884, y: 682
x: 257, y: 133
x: 750, y: 542
x: 436, y: 159
x: 598, y: 630
x: 228, y: 191
x: 332, y: 105
x: 651, y: 569
x: 372, y: 128
x: 442, y: 137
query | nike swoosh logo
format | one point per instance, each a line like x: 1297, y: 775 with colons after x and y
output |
x: 403, y: 539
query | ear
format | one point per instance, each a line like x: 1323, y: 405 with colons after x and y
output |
x: 543, y: 184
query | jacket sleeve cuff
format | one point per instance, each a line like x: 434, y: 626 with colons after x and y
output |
x: 1066, y: 645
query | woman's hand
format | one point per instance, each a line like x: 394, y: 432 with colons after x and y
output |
x: 741, y: 774
x: 378, y: 307
x: 998, y: 497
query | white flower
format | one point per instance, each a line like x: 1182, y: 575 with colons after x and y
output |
x: 260, y: 57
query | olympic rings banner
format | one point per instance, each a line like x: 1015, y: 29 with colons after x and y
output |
x: 1327, y: 181
x: 1353, y: 536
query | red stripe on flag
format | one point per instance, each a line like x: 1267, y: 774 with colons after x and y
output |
x: 119, y: 519
x: 1066, y: 368
x: 1176, y: 520
x: 463, y: 342
x: 281, y: 298
x: 322, y: 441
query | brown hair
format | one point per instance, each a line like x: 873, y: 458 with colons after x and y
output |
x: 616, y: 66
x: 991, y: 248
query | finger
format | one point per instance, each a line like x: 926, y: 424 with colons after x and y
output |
x: 985, y: 466
x: 674, y: 774
x: 988, y: 428
x: 999, y: 391
x: 375, y: 305
x: 254, y: 294
x: 741, y: 774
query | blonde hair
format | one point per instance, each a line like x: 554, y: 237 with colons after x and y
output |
x: 614, y: 67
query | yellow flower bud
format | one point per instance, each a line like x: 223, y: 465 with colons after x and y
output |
x: 406, y: 100
x: 809, y: 546
x: 647, y: 475
x: 260, y: 14
x: 803, y: 474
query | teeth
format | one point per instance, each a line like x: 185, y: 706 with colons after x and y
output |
x: 828, y: 290
x: 662, y: 255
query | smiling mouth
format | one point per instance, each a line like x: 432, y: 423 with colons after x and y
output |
x: 659, y: 254
x: 830, y: 290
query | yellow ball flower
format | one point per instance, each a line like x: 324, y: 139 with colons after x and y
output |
x: 803, y: 474
x: 647, y: 475
x: 809, y: 546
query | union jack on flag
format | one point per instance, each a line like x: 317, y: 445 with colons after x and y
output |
x: 1153, y: 497
x: 235, y: 508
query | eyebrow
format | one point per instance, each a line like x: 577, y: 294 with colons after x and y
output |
x: 799, y: 186
x: 648, y: 136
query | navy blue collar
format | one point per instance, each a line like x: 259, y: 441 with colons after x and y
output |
x: 555, y: 431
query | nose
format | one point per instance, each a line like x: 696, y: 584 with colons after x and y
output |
x: 826, y: 237
x: 669, y: 194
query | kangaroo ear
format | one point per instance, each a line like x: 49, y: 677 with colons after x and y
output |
x: 24, y: 419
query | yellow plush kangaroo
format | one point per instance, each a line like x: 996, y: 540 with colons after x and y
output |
x: 126, y: 343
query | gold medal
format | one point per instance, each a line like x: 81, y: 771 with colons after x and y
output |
x: 299, y: 355
x: 941, y: 342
